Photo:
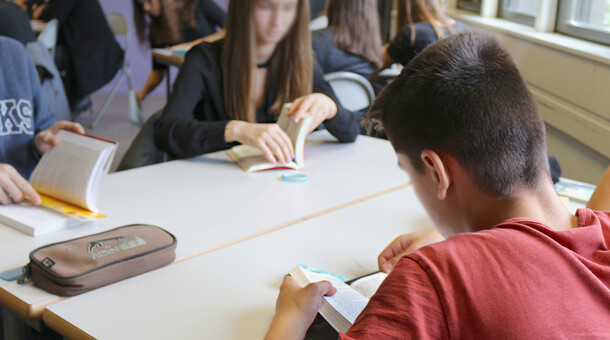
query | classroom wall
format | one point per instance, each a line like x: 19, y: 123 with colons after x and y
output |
x: 139, y: 55
x: 571, y: 88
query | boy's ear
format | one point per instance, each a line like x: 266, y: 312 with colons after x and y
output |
x: 438, y: 171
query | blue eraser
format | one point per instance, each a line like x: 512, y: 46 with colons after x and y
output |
x: 294, y: 177
x: 11, y: 275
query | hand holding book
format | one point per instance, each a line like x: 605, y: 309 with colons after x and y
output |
x: 317, y: 105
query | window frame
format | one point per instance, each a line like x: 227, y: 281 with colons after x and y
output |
x: 567, y: 25
x: 505, y: 13
x: 468, y: 5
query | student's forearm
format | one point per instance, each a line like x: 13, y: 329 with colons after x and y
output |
x: 154, y: 79
x: 284, y: 327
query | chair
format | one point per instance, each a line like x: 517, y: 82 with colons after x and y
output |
x: 119, y: 27
x: 353, y: 90
x: 48, y: 36
x: 143, y: 150
x: 318, y: 23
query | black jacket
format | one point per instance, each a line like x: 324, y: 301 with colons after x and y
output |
x: 332, y: 59
x: 194, y: 119
x: 93, y: 54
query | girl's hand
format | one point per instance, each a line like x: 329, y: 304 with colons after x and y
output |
x: 320, y: 106
x: 273, y: 142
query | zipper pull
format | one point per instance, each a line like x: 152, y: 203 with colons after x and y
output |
x: 25, y: 277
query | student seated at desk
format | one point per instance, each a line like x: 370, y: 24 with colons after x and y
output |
x: 419, y: 23
x: 27, y: 125
x: 231, y: 91
x: 516, y: 264
x: 172, y: 22
x: 352, y: 40
x: 87, y: 53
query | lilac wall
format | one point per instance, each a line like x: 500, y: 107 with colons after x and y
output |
x: 139, y: 55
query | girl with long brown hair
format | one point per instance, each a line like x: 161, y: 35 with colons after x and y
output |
x: 419, y: 23
x: 169, y: 22
x: 352, y: 40
x: 230, y: 91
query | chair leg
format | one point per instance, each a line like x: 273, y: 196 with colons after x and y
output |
x: 107, y: 101
x: 135, y: 110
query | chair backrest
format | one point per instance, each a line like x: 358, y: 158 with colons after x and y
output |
x: 353, y: 90
x: 318, y: 23
x: 118, y: 25
x: 48, y: 36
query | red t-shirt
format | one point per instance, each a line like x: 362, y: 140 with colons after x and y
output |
x: 519, y: 280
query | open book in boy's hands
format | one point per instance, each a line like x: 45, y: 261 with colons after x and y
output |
x: 251, y: 159
x: 341, y: 309
x: 66, y: 178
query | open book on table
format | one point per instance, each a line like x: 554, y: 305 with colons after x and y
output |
x: 66, y: 178
x: 251, y: 159
x: 341, y: 309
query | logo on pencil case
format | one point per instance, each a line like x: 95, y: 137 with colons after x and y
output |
x: 111, y: 246
x: 47, y: 262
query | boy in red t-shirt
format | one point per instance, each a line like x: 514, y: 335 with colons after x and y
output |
x: 516, y: 264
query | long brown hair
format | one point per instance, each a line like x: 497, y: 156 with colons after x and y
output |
x: 430, y: 11
x: 166, y: 28
x: 291, y: 68
x: 356, y: 29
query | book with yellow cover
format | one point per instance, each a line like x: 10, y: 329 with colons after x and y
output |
x: 66, y: 178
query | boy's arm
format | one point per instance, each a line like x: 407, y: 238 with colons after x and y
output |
x: 13, y: 186
x: 600, y: 200
x: 296, y: 308
x: 404, y: 244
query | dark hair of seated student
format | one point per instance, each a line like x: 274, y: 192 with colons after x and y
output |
x: 230, y: 90
x: 418, y: 24
x: 352, y: 40
x: 15, y: 23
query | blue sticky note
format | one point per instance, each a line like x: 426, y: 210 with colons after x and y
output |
x: 294, y: 177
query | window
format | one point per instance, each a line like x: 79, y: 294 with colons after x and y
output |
x: 522, y: 11
x: 586, y: 19
x: 470, y: 5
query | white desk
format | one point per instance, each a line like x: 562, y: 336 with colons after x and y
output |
x: 230, y: 293
x: 208, y: 202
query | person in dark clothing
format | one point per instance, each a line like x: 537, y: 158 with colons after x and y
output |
x: 231, y: 91
x: 172, y: 22
x: 15, y: 23
x: 87, y: 54
x: 352, y: 40
x: 419, y: 23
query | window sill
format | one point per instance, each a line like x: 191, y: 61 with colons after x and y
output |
x: 582, y: 48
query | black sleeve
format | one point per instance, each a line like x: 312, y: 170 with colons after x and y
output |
x: 58, y: 9
x: 215, y: 14
x: 177, y: 132
x: 344, y: 125
x: 401, y: 49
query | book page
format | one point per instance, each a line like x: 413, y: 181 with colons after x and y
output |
x: 347, y: 302
x: 369, y: 284
x: 68, y: 171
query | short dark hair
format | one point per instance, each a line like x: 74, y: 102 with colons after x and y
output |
x: 463, y: 95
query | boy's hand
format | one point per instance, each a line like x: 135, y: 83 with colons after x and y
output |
x: 297, y: 307
x: 319, y: 105
x: 47, y: 138
x: 404, y: 244
x: 13, y: 186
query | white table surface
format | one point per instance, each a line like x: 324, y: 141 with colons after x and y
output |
x: 209, y: 202
x: 230, y: 293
